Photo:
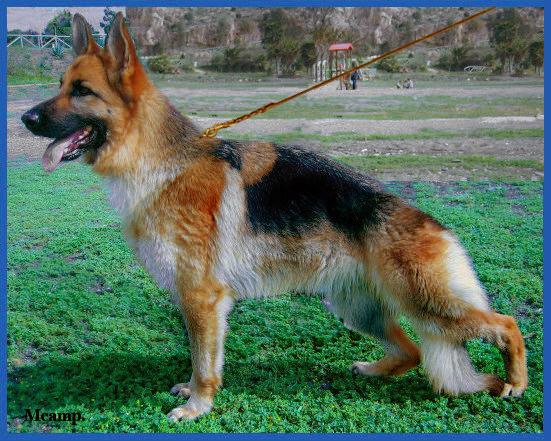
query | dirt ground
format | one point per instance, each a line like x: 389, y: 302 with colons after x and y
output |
x: 23, y: 145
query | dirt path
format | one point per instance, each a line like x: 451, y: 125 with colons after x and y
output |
x: 383, y: 127
x: 519, y: 148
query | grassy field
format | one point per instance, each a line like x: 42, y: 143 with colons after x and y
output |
x: 25, y: 78
x: 426, y: 133
x: 89, y: 331
x: 400, y: 107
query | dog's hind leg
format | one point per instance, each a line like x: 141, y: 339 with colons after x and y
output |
x: 430, y: 277
x: 363, y: 313
x: 447, y: 362
x: 205, y: 309
x: 401, y: 354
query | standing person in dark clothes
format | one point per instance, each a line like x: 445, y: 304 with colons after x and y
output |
x: 354, y: 78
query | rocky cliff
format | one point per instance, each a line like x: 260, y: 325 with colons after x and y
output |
x: 203, y: 29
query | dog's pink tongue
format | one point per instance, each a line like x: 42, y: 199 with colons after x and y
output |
x: 53, y: 154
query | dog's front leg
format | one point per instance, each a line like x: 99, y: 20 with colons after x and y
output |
x: 205, y: 310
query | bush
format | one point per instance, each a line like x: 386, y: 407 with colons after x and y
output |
x: 390, y: 64
x: 23, y: 67
x: 239, y: 60
x: 416, y: 62
x: 161, y: 64
x: 58, y: 51
x: 460, y: 57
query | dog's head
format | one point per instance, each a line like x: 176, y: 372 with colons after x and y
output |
x: 97, y: 94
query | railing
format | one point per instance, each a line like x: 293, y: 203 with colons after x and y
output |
x: 475, y: 69
x: 45, y: 40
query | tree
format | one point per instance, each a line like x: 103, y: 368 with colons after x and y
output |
x: 458, y: 56
x: 535, y: 55
x: 308, y: 54
x: 509, y: 35
x: 281, y: 37
x: 60, y: 24
x: 289, y: 50
x: 324, y: 34
x: 107, y: 20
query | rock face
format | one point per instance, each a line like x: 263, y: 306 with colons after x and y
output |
x: 172, y: 29
x: 203, y: 30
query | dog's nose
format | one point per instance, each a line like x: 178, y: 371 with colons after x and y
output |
x: 31, y: 118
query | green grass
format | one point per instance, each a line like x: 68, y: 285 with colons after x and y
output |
x: 89, y: 331
x: 383, y: 80
x: 33, y: 79
x: 424, y: 133
x: 411, y: 161
x: 410, y: 106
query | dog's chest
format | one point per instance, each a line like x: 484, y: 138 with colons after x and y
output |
x: 155, y: 252
x: 158, y: 257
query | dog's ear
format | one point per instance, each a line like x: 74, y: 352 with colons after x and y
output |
x: 83, y: 42
x: 120, y: 47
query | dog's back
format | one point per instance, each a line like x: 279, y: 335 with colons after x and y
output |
x: 292, y: 220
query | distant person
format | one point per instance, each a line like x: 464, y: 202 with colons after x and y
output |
x: 399, y: 84
x: 408, y: 84
x: 355, y: 77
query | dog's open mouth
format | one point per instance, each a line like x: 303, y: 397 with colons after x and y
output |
x: 68, y: 148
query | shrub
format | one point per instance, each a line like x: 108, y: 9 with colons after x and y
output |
x: 161, y: 64
x: 107, y: 20
x: 416, y: 62
x: 57, y: 51
x: 246, y: 26
x: 390, y: 64
x: 238, y: 60
x: 460, y: 57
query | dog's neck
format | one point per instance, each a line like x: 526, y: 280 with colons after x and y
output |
x: 154, y: 148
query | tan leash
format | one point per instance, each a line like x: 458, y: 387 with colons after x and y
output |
x: 212, y: 131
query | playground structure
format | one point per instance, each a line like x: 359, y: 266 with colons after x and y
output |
x: 340, y: 59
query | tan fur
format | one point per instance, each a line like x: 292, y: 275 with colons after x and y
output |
x: 258, y: 159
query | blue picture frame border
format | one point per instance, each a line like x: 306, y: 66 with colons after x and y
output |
x: 4, y: 434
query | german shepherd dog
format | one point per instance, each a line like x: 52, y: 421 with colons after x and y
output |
x: 214, y: 221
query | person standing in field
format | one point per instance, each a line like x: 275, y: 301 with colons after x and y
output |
x: 355, y: 77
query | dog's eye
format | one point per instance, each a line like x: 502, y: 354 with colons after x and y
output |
x: 80, y: 90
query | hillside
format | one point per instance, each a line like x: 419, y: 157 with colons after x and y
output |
x: 202, y: 30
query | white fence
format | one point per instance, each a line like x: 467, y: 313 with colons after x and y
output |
x: 45, y: 40
x: 475, y: 69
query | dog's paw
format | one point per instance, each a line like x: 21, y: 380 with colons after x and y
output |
x: 361, y: 368
x: 192, y: 409
x: 181, y: 390
x: 182, y: 413
x: 364, y: 368
x: 510, y: 390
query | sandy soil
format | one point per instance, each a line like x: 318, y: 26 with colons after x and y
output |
x: 384, y: 127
